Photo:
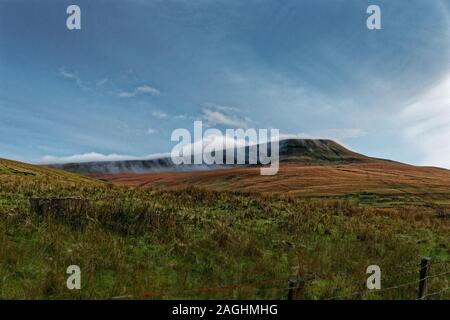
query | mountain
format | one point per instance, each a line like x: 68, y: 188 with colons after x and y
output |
x: 317, y: 151
x: 308, y: 168
x: 307, y: 151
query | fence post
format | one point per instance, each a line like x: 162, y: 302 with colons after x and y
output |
x: 292, y: 283
x: 296, y: 286
x: 424, y: 269
x: 34, y: 205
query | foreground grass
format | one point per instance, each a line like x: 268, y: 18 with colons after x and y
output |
x: 140, y: 244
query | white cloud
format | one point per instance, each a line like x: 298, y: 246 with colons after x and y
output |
x: 284, y: 136
x: 66, y: 74
x: 84, y: 157
x: 345, y: 133
x: 428, y: 124
x: 126, y: 94
x: 151, y: 131
x: 221, y: 108
x: 220, y: 115
x: 148, y: 89
x: 145, y: 89
x: 71, y: 76
x: 96, y: 157
x: 102, y: 81
x: 334, y: 134
x: 159, y: 114
x: 218, y: 142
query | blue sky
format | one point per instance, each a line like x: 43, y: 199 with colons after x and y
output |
x: 140, y: 69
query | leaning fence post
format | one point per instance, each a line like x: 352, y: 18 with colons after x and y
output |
x: 424, y: 269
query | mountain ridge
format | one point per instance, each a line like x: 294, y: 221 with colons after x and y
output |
x: 305, y: 151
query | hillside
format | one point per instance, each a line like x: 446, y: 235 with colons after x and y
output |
x: 19, y: 170
x: 374, y: 182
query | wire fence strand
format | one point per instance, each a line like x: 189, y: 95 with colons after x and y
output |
x: 265, y: 285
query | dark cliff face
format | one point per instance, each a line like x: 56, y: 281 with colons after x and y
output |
x: 317, y: 151
x: 307, y: 151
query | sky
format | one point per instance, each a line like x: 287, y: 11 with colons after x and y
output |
x: 137, y: 70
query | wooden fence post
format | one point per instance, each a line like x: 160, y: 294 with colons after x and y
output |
x: 296, y: 288
x: 291, y: 285
x: 424, y: 269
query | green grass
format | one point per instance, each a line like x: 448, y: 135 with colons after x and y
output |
x: 196, y: 244
x: 385, y: 200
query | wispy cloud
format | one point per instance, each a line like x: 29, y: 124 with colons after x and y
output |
x: 71, y: 76
x: 428, y: 124
x: 151, y: 131
x: 345, y: 133
x: 96, y: 157
x: 102, y: 81
x: 159, y: 114
x: 84, y: 157
x: 222, y: 115
x: 334, y: 134
x: 144, y: 89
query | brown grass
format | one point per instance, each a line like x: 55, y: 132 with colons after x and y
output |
x: 380, y: 177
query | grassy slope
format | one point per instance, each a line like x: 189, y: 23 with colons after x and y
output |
x: 19, y: 171
x: 143, y: 243
x: 376, y: 182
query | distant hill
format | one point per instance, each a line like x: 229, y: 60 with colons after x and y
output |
x: 306, y: 151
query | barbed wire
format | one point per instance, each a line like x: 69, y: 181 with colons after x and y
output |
x: 406, y: 284
x: 436, y: 275
x: 257, y: 286
x: 434, y: 293
x: 431, y: 264
x: 252, y: 285
x: 440, y: 262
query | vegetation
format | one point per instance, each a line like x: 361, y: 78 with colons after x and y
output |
x: 191, y: 243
